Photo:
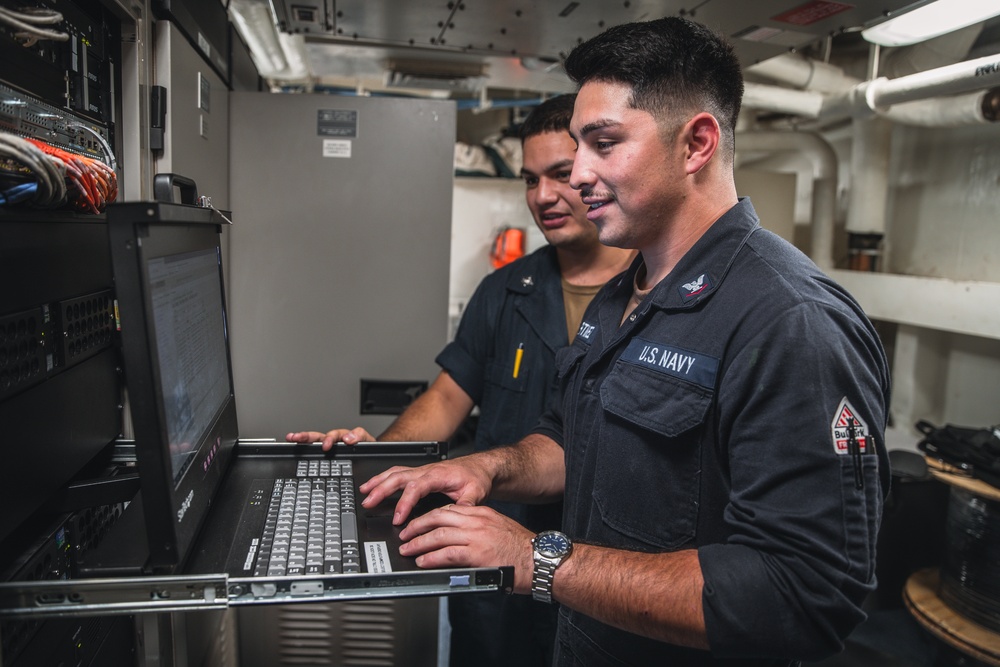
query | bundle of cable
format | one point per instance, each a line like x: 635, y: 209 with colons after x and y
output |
x: 29, y: 24
x: 50, y: 177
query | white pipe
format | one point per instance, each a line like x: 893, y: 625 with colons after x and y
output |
x: 809, y: 144
x: 804, y: 73
x: 967, y: 109
x: 824, y: 210
x: 782, y: 100
x: 909, y: 99
x: 808, y: 74
x: 824, y: 161
x: 877, y: 97
x: 869, y: 192
x: 958, y: 78
x: 912, y: 94
x: 949, y: 111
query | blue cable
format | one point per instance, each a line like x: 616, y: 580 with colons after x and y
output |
x: 18, y: 193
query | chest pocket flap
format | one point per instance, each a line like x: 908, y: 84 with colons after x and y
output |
x: 655, y: 401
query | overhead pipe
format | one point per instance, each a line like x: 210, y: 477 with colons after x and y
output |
x: 866, y: 219
x: 809, y: 74
x: 906, y: 99
x: 875, y: 96
x: 981, y: 107
x: 782, y: 100
x: 910, y: 102
x: 804, y: 73
x: 824, y: 161
x: 969, y: 109
x: 901, y: 99
x: 958, y: 78
x: 977, y: 108
x: 866, y: 210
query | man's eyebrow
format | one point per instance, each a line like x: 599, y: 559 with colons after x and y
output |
x: 590, y: 128
x: 559, y: 164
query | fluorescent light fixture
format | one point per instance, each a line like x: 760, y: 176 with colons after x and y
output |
x: 929, y: 20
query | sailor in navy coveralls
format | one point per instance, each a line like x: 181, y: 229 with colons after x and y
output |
x: 719, y: 442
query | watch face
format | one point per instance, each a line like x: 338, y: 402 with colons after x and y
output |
x: 552, y: 544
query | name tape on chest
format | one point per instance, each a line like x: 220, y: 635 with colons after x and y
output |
x: 700, y: 369
x: 848, y: 427
x: 586, y: 331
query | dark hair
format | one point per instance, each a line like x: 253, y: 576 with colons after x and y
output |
x: 673, y: 65
x: 550, y: 116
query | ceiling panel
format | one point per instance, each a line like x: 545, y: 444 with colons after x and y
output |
x: 551, y: 28
x: 540, y: 33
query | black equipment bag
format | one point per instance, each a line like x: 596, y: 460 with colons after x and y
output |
x: 973, y: 450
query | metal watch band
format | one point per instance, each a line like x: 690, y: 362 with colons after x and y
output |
x: 541, y: 581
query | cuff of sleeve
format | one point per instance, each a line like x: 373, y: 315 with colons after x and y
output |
x: 754, y: 607
x: 730, y: 573
x: 552, y: 434
x: 463, y: 369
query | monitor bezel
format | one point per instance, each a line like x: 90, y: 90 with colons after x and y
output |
x: 174, y: 513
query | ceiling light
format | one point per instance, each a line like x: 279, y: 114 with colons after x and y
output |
x: 434, y: 74
x: 930, y: 19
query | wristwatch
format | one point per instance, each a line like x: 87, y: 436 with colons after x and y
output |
x: 551, y: 549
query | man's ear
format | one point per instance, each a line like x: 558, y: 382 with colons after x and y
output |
x: 702, y: 134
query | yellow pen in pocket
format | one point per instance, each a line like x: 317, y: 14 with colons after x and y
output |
x: 517, y: 359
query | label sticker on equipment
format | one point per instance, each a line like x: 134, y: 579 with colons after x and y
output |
x: 337, y: 123
x: 336, y: 148
x: 377, y: 557
x: 812, y: 12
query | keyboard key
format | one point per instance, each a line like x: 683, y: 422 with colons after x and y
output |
x: 311, y: 525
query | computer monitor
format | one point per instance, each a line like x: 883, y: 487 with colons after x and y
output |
x: 167, y: 263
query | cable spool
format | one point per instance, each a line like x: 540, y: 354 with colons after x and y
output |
x: 962, y: 613
x: 970, y: 578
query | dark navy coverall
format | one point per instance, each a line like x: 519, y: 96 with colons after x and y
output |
x: 520, y: 304
x: 740, y: 411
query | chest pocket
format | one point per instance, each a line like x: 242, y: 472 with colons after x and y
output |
x: 503, y: 403
x: 648, y: 455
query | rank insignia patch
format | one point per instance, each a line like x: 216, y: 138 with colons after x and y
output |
x: 695, y: 287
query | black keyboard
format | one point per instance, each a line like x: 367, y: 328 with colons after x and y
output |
x: 311, y: 525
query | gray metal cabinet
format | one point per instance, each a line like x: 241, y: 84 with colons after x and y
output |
x: 339, y: 252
